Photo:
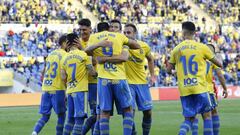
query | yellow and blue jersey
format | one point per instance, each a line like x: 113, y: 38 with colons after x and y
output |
x: 109, y: 70
x: 190, y: 58
x: 75, y: 64
x: 52, y: 77
x: 209, y: 76
x: 136, y: 73
x: 91, y: 79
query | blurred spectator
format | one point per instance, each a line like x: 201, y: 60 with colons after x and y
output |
x: 224, y: 11
x: 141, y: 11
x: 30, y: 11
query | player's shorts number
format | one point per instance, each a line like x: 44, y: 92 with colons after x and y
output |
x: 190, y: 67
x: 53, y: 72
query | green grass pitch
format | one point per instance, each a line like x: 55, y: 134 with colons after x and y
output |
x: 166, y: 119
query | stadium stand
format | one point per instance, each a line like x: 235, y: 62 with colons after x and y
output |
x: 142, y: 11
x: 38, y: 11
x: 29, y: 48
x: 224, y: 11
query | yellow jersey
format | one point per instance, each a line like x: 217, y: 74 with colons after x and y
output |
x: 83, y: 43
x: 91, y: 79
x: 209, y: 75
x: 75, y: 64
x: 52, y: 77
x: 190, y: 58
x: 136, y: 73
x: 109, y: 70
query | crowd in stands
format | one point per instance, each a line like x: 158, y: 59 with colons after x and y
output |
x: 30, y: 11
x: 224, y: 11
x: 162, y: 40
x: 142, y: 11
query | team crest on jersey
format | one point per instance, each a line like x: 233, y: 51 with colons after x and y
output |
x: 104, y: 82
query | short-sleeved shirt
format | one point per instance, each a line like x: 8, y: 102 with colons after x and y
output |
x: 109, y: 70
x: 75, y: 64
x: 190, y: 58
x: 52, y: 77
x: 136, y: 73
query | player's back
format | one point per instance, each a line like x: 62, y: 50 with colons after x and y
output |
x: 75, y: 63
x: 190, y: 59
x: 135, y: 64
x: 52, y: 76
x: 109, y: 70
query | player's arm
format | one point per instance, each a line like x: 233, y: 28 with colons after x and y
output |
x: 170, y: 67
x: 44, y: 69
x: 94, y: 61
x: 222, y: 81
x: 208, y: 54
x: 90, y: 49
x: 170, y: 64
x: 114, y: 59
x: 151, y: 67
x: 216, y: 61
x: 91, y: 70
x: 64, y: 76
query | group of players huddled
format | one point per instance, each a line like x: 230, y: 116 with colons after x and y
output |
x: 107, y: 68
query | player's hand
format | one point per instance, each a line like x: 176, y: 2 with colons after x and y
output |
x: 76, y: 43
x: 105, y: 43
x: 225, y: 94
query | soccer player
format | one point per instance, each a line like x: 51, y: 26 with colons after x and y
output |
x: 115, y: 26
x: 53, y: 90
x: 76, y: 66
x: 190, y: 57
x: 85, y: 32
x: 112, y: 84
x: 209, y: 74
x: 136, y: 76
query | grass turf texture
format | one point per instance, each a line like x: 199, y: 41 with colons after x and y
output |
x: 166, y: 119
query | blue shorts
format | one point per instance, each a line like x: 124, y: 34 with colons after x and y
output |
x: 141, y: 96
x: 92, y: 97
x: 53, y: 99
x: 113, y: 90
x: 196, y: 104
x: 76, y: 104
x: 213, y: 100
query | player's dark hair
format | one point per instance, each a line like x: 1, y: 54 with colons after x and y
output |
x: 131, y: 25
x: 116, y: 21
x: 189, y: 26
x: 62, y: 39
x: 85, y: 22
x: 102, y: 26
x: 70, y: 39
x: 212, y: 47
